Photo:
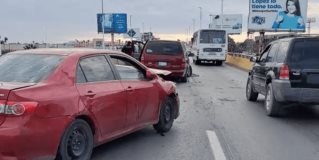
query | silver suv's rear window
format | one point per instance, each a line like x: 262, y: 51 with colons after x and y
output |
x: 27, y: 68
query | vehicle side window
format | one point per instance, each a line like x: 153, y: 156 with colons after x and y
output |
x: 96, y: 69
x: 264, y: 55
x: 80, y: 78
x: 127, y: 69
x: 282, y: 52
x: 272, y: 53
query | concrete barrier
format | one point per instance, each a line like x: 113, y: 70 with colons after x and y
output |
x: 239, y: 60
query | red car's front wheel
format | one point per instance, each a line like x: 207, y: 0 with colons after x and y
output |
x: 166, y: 118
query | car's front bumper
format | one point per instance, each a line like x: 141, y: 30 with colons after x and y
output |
x: 285, y: 93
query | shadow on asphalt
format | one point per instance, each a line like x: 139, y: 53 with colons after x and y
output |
x: 209, y: 64
x: 297, y: 111
x: 139, y: 139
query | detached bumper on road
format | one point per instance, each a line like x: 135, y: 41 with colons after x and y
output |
x: 284, y: 93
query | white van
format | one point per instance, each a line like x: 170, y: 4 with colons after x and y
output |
x: 210, y: 45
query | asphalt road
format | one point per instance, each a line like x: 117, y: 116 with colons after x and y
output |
x: 214, y: 100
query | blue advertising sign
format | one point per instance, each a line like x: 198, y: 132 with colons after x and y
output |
x: 112, y: 23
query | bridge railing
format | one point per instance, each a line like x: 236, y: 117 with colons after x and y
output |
x: 240, y: 60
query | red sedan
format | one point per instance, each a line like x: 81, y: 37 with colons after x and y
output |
x: 62, y: 103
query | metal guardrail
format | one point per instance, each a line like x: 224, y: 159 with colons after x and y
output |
x: 241, y: 55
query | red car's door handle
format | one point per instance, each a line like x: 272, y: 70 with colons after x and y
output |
x: 90, y: 94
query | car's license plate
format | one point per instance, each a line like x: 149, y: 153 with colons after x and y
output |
x: 162, y: 64
x: 212, y: 54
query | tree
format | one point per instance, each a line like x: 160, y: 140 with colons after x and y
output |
x: 30, y: 46
x: 231, y: 44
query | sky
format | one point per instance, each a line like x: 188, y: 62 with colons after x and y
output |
x: 57, y: 21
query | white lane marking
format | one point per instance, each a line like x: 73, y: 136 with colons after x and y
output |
x: 215, y: 146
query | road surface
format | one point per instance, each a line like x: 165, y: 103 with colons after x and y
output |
x: 217, y: 122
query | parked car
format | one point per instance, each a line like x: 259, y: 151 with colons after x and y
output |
x: 167, y: 55
x: 62, y: 103
x: 286, y: 72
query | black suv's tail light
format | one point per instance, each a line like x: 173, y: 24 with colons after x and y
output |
x: 284, y: 72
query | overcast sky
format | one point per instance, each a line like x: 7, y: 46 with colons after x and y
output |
x: 67, y: 20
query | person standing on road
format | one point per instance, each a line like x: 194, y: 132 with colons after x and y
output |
x: 291, y: 18
x: 128, y: 48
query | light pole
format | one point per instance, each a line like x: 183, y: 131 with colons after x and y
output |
x: 0, y: 47
x: 309, y: 21
x: 200, y: 17
x: 211, y: 21
x: 131, y: 25
x: 194, y: 24
x: 103, y: 21
x: 222, y: 14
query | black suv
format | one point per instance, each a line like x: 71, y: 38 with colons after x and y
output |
x: 286, y: 72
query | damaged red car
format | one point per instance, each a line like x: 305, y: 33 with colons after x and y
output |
x: 61, y: 103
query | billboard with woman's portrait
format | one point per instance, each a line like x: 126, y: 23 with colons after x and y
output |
x: 277, y: 15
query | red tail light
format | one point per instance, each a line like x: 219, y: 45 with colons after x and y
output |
x: 284, y: 72
x: 17, y: 108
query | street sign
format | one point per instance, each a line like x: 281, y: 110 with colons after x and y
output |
x: 131, y: 33
x: 134, y: 33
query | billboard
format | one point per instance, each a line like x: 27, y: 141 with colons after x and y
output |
x: 277, y: 15
x: 232, y: 23
x: 112, y: 23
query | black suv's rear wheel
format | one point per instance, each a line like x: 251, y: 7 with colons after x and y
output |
x: 272, y: 106
x: 251, y: 95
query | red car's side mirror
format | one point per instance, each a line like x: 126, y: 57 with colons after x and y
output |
x: 150, y: 74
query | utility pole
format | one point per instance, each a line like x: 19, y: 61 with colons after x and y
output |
x: 143, y: 32
x: 309, y: 21
x: 211, y: 21
x: 0, y: 47
x: 131, y: 26
x: 103, y: 17
x: 222, y: 14
x: 200, y: 17
x: 194, y: 24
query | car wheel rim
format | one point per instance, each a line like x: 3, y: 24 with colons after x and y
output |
x: 77, y: 143
x: 268, y: 100
x: 167, y: 114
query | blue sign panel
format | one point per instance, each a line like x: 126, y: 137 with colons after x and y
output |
x: 112, y: 23
x: 120, y: 23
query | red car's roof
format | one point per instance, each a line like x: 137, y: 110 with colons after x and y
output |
x: 65, y: 52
